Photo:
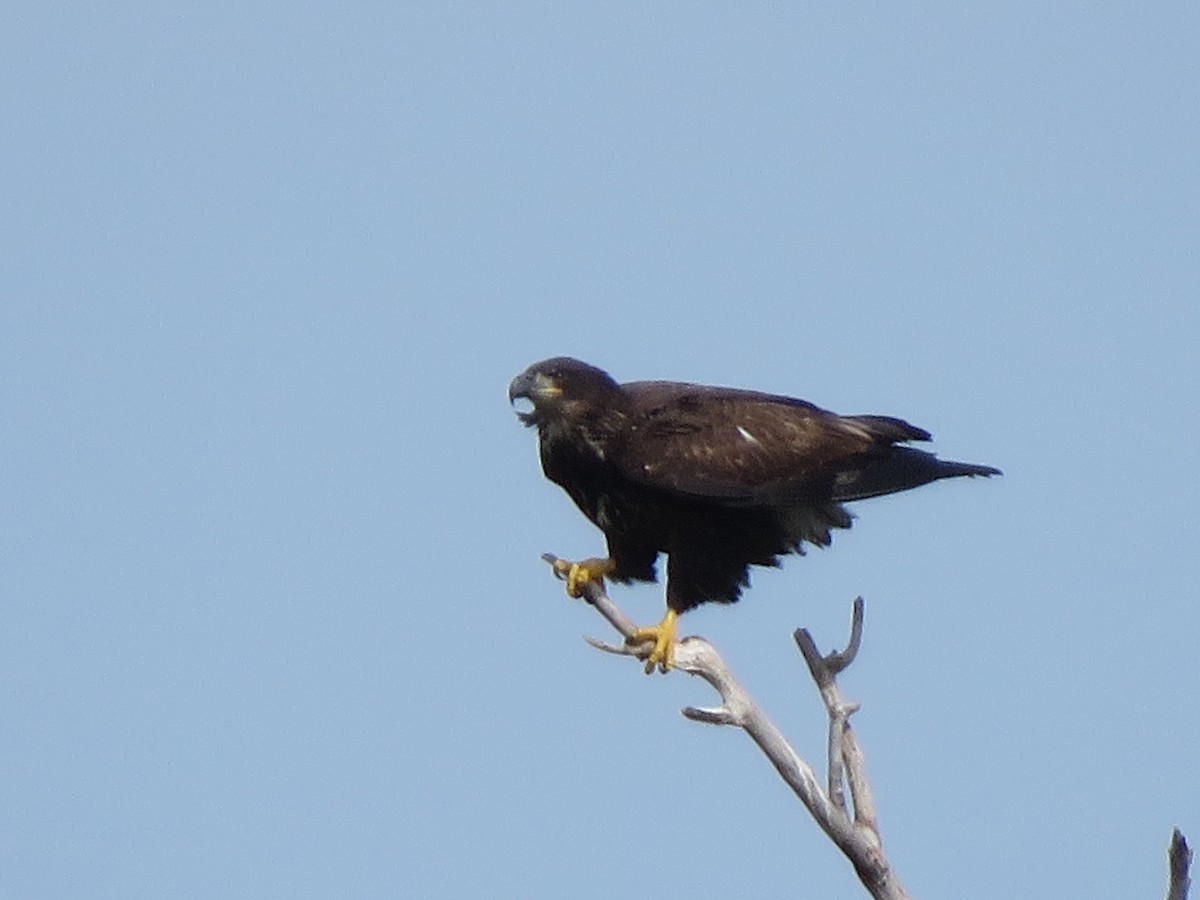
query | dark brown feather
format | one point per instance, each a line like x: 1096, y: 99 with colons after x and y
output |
x: 717, y: 478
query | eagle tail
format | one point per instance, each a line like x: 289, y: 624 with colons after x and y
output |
x: 901, y: 469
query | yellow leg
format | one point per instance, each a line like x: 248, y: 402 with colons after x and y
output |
x: 580, y: 573
x: 663, y: 637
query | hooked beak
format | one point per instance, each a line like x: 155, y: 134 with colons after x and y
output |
x: 534, y: 387
x: 520, y: 387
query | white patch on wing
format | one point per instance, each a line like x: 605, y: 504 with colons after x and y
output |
x: 855, y: 428
x: 841, y: 479
x: 747, y: 435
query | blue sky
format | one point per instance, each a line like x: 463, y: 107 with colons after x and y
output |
x: 275, y: 622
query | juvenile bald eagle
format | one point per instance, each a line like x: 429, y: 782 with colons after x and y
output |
x: 718, y: 479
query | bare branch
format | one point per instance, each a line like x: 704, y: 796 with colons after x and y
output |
x: 836, y: 662
x: 846, y: 762
x: 711, y: 716
x: 858, y: 839
x: 1179, y: 861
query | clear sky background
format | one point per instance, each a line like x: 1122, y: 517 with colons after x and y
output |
x: 274, y: 621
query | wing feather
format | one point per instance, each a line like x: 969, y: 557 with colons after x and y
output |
x: 740, y: 447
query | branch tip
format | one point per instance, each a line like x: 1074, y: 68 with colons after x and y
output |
x: 1179, y: 862
x: 712, y: 716
x: 615, y: 649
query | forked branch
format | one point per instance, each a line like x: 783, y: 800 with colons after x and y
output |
x: 846, y: 764
x: 854, y: 831
x: 857, y: 837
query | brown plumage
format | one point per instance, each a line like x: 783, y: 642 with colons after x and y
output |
x: 718, y: 479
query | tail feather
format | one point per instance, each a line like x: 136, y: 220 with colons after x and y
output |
x: 889, y: 428
x: 901, y: 469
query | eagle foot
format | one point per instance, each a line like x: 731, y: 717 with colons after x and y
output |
x: 662, y: 636
x: 579, y: 574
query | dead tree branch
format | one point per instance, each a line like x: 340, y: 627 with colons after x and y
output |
x: 857, y: 837
x: 855, y: 830
x: 1179, y: 861
x: 846, y: 765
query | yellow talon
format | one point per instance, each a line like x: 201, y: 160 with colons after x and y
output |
x: 663, y: 637
x: 578, y: 574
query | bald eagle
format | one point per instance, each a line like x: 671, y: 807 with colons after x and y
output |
x: 718, y: 479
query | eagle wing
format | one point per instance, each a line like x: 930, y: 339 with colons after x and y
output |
x: 745, y: 448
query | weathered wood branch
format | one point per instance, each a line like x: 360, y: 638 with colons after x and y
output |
x: 857, y: 837
x: 854, y: 831
x: 846, y: 765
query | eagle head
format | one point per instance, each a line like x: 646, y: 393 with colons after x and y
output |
x: 561, y: 389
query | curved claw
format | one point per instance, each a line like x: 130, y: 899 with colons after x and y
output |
x: 662, y: 636
x: 578, y: 574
